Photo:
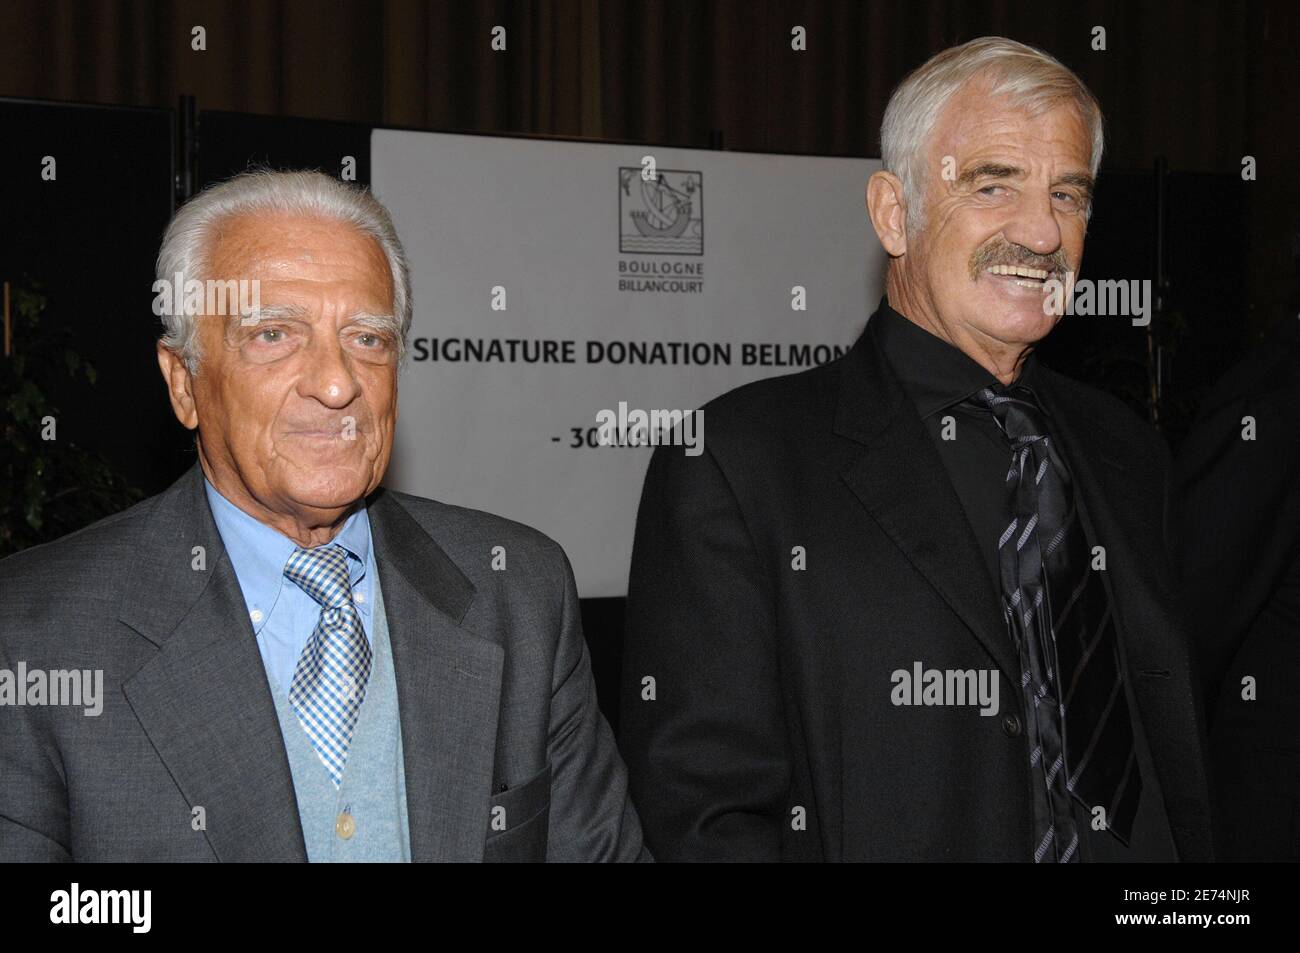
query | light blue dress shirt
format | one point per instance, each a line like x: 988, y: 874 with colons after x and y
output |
x: 283, y: 616
x: 373, y: 793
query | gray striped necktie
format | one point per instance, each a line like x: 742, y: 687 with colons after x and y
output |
x: 1058, y: 613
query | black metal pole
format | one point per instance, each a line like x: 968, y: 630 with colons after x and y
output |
x: 187, y: 150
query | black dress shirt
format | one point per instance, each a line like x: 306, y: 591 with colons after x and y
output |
x: 937, y: 377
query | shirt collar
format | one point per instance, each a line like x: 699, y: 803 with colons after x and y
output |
x: 259, y: 553
x: 934, y: 374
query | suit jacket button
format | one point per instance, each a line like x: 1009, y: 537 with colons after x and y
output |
x: 345, y: 826
x: 1010, y: 726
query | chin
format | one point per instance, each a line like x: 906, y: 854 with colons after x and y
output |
x: 1027, y: 327
x: 329, y: 488
x: 1018, y: 321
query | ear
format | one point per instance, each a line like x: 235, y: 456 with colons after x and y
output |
x: 180, y: 386
x: 888, y: 211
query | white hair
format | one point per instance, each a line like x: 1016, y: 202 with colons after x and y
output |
x: 1030, y: 78
x: 190, y: 233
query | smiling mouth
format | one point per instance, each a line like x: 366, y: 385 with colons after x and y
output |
x: 1021, y: 275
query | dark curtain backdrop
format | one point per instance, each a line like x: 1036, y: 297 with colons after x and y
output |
x: 1202, y: 83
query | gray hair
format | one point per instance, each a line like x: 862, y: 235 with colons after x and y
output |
x: 189, y: 235
x: 1032, y: 80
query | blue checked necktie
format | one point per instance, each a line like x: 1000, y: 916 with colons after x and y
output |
x: 329, y: 683
x: 1057, y: 611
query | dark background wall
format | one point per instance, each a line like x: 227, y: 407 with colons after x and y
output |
x: 1202, y: 83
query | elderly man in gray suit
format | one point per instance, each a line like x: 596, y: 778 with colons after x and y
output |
x: 296, y: 664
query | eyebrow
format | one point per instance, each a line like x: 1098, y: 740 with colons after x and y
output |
x: 298, y: 311
x: 996, y: 170
x: 992, y: 170
x: 380, y: 322
x: 1080, y: 180
x: 274, y: 311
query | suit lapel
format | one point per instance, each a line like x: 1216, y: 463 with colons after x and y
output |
x: 901, y: 481
x: 1124, y: 513
x: 203, y: 700
x: 1120, y: 513
x: 206, y: 706
x: 448, y: 687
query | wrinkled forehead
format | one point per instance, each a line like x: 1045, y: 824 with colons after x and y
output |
x: 976, y: 123
x: 288, y: 247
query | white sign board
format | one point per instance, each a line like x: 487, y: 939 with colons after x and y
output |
x: 556, y: 280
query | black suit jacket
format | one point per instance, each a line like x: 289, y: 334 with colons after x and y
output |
x: 771, y: 733
x: 1241, y: 561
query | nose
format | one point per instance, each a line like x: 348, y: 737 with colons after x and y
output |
x: 1034, y: 226
x: 327, y: 375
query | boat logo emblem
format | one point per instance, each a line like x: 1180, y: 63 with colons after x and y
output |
x: 660, y: 216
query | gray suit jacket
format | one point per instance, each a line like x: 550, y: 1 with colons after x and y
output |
x: 495, y: 691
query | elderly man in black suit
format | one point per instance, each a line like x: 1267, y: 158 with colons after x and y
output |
x: 916, y: 604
